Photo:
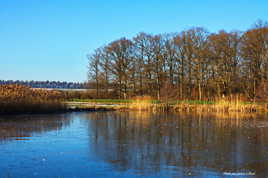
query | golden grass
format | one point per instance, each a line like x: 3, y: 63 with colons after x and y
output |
x: 222, y: 106
x: 22, y: 99
x: 219, y: 106
x: 141, y: 103
x: 146, y: 103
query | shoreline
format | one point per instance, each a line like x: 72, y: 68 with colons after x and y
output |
x: 221, y: 107
x: 149, y: 106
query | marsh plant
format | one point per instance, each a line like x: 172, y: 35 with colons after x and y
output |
x: 23, y: 99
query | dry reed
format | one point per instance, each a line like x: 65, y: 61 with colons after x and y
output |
x: 22, y: 99
x: 222, y: 106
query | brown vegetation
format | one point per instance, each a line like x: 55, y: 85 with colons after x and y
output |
x: 22, y: 99
x: 221, y: 107
x: 191, y: 65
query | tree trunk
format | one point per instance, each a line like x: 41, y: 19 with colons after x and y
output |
x: 199, y: 91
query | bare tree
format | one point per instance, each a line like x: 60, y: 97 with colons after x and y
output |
x: 254, y: 51
x: 194, y: 64
x: 120, y: 54
x: 224, y: 58
x: 94, y: 68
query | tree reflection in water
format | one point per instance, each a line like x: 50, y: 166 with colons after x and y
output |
x: 184, y: 144
x: 24, y: 126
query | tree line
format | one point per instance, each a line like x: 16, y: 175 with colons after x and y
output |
x: 192, y: 64
x: 46, y: 84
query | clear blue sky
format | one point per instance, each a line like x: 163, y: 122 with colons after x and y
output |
x: 49, y: 39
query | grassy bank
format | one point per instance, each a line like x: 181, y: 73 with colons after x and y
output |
x: 16, y: 99
x: 177, y: 106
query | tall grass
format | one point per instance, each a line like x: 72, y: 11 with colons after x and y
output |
x: 222, y: 105
x: 22, y: 99
x: 141, y: 103
x: 146, y: 103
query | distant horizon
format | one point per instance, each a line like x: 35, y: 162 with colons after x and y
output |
x: 43, y: 81
x: 50, y: 40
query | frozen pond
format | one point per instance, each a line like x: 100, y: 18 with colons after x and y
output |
x: 133, y: 144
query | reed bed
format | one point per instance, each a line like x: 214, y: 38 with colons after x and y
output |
x: 218, y: 106
x: 146, y: 103
x: 222, y: 106
x: 22, y: 99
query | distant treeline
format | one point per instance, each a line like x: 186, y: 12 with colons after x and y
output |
x: 192, y: 64
x: 46, y: 84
